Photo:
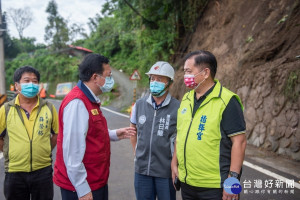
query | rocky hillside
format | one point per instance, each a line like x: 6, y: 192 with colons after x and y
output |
x: 256, y: 43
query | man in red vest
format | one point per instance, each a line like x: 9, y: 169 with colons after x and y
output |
x: 83, y: 145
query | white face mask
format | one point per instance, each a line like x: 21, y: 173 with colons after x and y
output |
x: 108, y: 85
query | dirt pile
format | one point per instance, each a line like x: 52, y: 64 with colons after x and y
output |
x: 256, y: 44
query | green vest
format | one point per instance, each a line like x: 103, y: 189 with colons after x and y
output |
x: 22, y: 154
x: 198, y: 138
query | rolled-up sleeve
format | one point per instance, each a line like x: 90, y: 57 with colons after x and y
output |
x: 75, y: 119
x: 133, y: 115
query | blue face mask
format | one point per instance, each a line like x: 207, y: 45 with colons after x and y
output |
x: 29, y: 90
x: 157, y: 88
x: 108, y: 85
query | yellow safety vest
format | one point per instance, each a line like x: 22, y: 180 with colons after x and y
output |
x: 23, y: 153
x: 199, y: 137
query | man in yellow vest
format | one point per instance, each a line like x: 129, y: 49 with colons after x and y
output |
x: 28, y: 132
x: 210, y: 143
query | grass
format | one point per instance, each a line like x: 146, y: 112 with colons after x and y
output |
x: 249, y: 39
x: 290, y: 90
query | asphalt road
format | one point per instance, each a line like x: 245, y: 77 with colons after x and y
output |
x: 254, y: 181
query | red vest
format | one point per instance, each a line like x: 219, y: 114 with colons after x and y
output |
x: 97, y: 154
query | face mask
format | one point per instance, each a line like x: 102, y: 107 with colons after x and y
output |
x: 157, y: 88
x: 189, y: 80
x: 108, y: 85
x: 29, y: 90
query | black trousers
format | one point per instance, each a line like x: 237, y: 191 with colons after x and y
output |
x: 100, y: 194
x: 195, y: 193
x: 34, y: 185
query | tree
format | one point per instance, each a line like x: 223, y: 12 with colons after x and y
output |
x: 76, y: 30
x: 146, y: 21
x: 14, y: 46
x: 56, y: 32
x: 22, y: 18
x: 11, y: 49
x: 94, y: 23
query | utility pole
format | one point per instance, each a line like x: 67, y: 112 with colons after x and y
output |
x: 2, y: 67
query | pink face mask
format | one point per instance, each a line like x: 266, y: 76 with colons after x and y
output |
x: 189, y: 80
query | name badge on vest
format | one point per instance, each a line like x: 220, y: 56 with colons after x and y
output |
x: 94, y: 112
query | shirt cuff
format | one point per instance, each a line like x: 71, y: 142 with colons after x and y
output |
x: 113, y: 135
x: 83, y: 189
x: 237, y: 133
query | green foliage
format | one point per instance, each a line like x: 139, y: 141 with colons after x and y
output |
x: 135, y: 34
x: 53, y: 68
x: 56, y: 32
x: 11, y: 47
x: 249, y: 39
x: 189, y: 11
x: 292, y: 89
x: 14, y: 46
x: 283, y: 19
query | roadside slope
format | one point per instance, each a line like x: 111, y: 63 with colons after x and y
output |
x: 256, y: 44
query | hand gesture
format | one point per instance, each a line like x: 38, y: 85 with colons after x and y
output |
x: 126, y: 133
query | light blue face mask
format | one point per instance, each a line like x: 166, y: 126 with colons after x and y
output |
x: 157, y: 88
x: 108, y: 85
x: 29, y: 90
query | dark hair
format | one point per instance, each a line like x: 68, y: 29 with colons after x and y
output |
x: 25, y: 69
x: 92, y: 63
x: 204, y: 57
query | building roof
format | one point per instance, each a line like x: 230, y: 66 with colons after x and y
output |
x: 81, y: 48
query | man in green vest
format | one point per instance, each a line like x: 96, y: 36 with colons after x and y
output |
x: 28, y: 132
x: 211, y: 142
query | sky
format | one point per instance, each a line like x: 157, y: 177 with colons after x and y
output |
x: 76, y: 11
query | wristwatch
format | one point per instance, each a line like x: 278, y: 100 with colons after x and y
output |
x: 234, y: 174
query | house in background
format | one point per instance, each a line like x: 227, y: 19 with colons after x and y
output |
x: 77, y: 51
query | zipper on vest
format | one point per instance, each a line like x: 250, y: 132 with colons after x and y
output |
x: 150, y: 149
x: 185, y: 146
x: 30, y: 140
x: 37, y: 116
x: 31, y: 155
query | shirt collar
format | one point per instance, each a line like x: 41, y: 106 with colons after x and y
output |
x: 206, y: 93
x: 88, y: 92
x: 17, y: 101
x: 94, y: 96
x: 155, y: 104
x: 165, y: 102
